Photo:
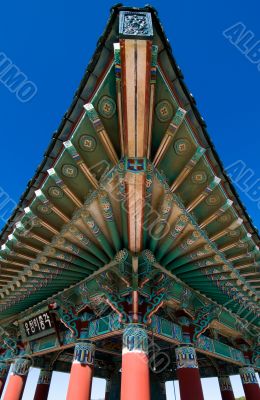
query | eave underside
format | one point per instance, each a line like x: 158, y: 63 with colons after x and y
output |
x: 133, y: 176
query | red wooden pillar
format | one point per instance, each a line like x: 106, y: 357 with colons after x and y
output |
x: 4, y: 369
x: 17, y: 381
x: 81, y: 373
x: 226, y: 388
x: 250, y: 384
x: 135, y: 381
x: 188, y: 373
x: 43, y: 385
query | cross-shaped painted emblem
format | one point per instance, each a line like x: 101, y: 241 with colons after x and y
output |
x: 135, y: 164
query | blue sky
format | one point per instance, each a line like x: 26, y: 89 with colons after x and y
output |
x: 52, y: 43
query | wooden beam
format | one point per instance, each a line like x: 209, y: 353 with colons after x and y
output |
x: 100, y: 129
x: 80, y: 163
x: 59, y: 182
x: 46, y: 201
x: 216, y: 214
x: 188, y: 168
x: 136, y: 75
x: 169, y: 135
x: 233, y: 226
x: 195, y: 202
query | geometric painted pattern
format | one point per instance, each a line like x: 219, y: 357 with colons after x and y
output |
x: 186, y: 357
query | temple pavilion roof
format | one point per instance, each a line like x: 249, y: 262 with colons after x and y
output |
x: 71, y: 221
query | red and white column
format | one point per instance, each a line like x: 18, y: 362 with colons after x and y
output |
x: 188, y: 373
x: 81, y: 373
x: 135, y: 381
x: 17, y: 381
x: 250, y: 384
x: 226, y: 388
x: 43, y: 385
x: 4, y: 369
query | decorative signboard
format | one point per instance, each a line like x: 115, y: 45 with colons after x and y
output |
x: 38, y: 325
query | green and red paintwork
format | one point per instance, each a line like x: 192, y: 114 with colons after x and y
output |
x: 131, y: 232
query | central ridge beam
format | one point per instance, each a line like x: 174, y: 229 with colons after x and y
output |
x: 136, y: 101
x: 136, y: 61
